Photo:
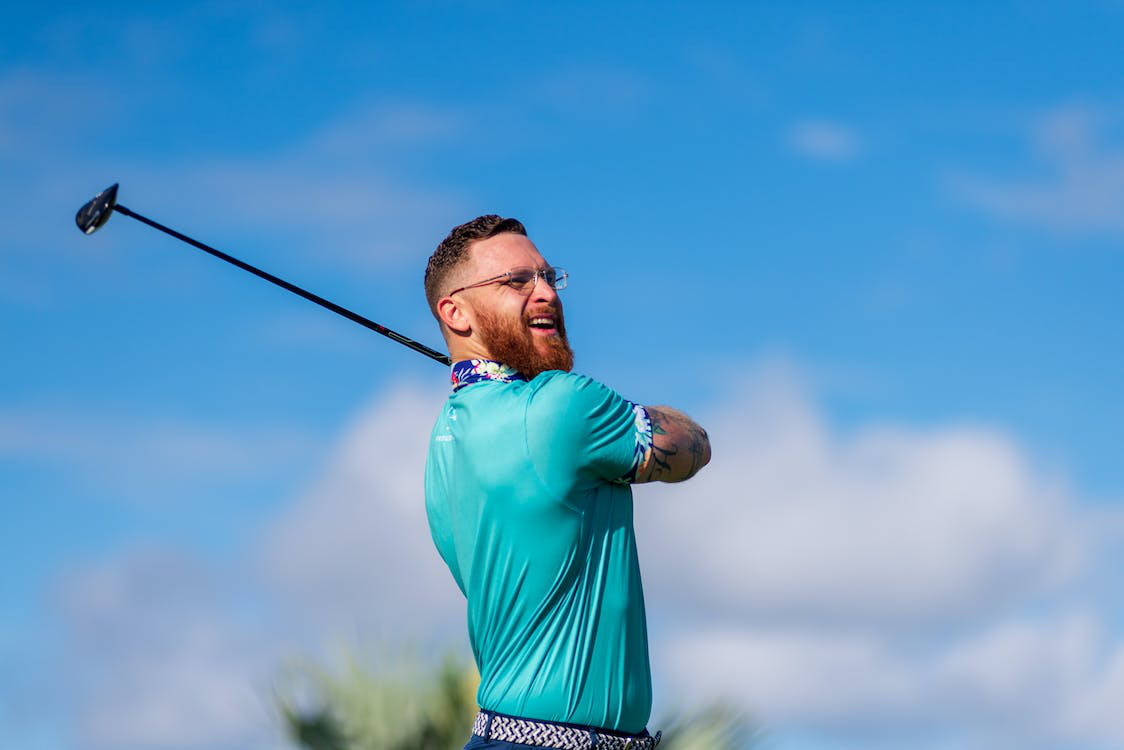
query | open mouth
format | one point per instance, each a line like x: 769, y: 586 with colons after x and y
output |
x: 543, y: 325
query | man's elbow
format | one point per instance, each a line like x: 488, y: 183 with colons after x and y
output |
x: 689, y: 453
x: 680, y: 447
x: 699, y: 452
x: 704, y: 454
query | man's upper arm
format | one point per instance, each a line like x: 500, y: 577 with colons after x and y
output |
x: 679, y: 447
x: 587, y: 430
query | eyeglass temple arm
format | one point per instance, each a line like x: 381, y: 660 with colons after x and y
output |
x: 479, y: 283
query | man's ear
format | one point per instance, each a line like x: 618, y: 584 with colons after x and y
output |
x: 454, y: 314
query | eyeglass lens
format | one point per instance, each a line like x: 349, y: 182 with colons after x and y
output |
x: 521, y: 278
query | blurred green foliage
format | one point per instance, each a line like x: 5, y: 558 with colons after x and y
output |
x: 718, y: 726
x: 405, y: 703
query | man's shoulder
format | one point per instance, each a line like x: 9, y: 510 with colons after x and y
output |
x: 581, y: 424
x: 567, y: 397
x: 561, y: 380
x: 567, y: 386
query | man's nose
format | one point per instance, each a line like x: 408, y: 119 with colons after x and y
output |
x: 543, y: 291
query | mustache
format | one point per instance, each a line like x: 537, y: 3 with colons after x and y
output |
x: 546, y: 310
x: 552, y: 312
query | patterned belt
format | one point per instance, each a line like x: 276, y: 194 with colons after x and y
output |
x: 560, y: 736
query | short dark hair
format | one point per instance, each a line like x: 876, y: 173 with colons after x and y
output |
x: 453, y: 250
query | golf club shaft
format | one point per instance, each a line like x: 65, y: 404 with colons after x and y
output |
x: 366, y: 323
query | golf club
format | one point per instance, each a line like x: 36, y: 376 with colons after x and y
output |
x: 92, y: 216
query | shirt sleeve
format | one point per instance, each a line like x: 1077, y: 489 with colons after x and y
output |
x: 580, y: 428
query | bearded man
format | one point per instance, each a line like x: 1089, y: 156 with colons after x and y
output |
x: 528, y: 496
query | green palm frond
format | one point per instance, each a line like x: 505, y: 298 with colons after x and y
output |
x: 401, y: 704
x: 404, y: 703
x: 718, y: 726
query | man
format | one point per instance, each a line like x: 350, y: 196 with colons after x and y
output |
x: 528, y: 498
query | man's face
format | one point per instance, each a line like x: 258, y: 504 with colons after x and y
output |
x: 523, y: 329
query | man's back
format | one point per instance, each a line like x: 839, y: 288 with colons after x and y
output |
x: 528, y: 505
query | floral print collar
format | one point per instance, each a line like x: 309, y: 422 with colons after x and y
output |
x: 469, y: 371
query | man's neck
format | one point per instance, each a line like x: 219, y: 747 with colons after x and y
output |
x: 462, y: 349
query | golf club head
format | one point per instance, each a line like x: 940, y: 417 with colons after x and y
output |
x: 95, y: 213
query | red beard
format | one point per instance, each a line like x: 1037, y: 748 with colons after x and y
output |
x: 512, y: 343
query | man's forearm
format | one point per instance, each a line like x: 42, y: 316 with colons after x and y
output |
x: 680, y: 447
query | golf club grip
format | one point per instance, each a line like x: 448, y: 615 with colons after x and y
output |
x: 356, y: 317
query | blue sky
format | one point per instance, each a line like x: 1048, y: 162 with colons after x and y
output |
x: 878, y: 248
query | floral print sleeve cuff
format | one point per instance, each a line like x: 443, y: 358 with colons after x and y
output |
x: 642, y: 424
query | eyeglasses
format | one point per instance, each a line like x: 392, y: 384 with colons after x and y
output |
x: 523, y: 279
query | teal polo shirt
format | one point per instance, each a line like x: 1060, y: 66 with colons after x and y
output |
x: 527, y: 495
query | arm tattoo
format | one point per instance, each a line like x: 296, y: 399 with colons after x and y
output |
x: 679, y: 446
x: 661, y: 455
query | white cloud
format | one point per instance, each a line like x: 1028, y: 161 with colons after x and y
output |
x: 885, y: 525
x: 1021, y: 668
x: 873, y: 583
x: 159, y: 656
x: 1043, y: 683
x: 1082, y: 190
x: 790, y: 676
x: 173, y: 652
x: 823, y: 140
x: 355, y: 551
x: 1095, y: 712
